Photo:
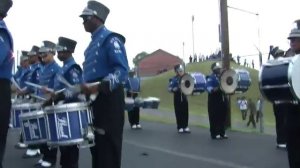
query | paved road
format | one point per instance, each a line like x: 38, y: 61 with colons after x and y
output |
x: 158, y: 145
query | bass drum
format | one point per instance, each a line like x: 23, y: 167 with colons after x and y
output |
x: 235, y: 81
x: 199, y: 82
x: 279, y: 79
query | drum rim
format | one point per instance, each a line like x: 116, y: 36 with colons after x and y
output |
x: 33, y: 114
x: 33, y: 142
x: 76, y: 141
x: 235, y: 74
x: 26, y: 105
x: 68, y: 106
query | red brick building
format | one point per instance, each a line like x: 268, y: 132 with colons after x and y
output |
x: 157, y: 62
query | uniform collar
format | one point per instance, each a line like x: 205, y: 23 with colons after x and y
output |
x: 99, y: 30
x: 69, y: 60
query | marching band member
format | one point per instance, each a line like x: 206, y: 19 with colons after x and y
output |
x: 105, y: 61
x: 35, y: 71
x: 293, y: 114
x: 181, y: 105
x: 72, y: 72
x: 217, y: 103
x: 134, y: 114
x: 50, y: 69
x: 21, y: 76
x: 6, y: 64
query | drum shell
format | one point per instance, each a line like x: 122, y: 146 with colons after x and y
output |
x: 34, y: 127
x: 275, y: 76
x: 20, y: 108
x: 199, y: 82
x: 129, y: 104
x: 151, y: 103
x: 66, y: 123
x: 244, y: 81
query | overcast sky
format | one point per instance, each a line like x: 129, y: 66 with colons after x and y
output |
x: 149, y: 25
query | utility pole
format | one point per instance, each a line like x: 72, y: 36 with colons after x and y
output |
x: 193, y: 34
x: 224, y: 34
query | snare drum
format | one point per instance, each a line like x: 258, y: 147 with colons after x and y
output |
x: 235, y: 81
x: 34, y: 127
x: 67, y: 124
x: 151, y: 102
x: 279, y: 79
x: 199, y: 82
x: 129, y: 103
x: 21, y: 108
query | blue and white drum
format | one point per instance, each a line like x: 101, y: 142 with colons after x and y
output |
x: 151, y: 102
x: 138, y: 102
x: 68, y: 124
x: 199, y: 82
x: 279, y: 79
x: 235, y: 81
x: 134, y: 84
x: 34, y: 127
x: 129, y: 103
x: 21, y: 108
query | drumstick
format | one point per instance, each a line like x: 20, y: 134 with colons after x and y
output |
x: 64, y: 81
x: 15, y: 83
x: 39, y: 86
x: 38, y: 97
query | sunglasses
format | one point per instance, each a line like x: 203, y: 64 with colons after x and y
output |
x: 43, y: 55
x: 295, y: 40
x: 86, y: 18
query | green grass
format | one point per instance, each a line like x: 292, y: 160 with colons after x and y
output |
x: 157, y: 87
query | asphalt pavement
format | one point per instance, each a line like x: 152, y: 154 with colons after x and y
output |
x: 158, y: 145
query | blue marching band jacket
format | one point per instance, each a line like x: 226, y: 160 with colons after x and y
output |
x: 174, y: 84
x: 48, y: 75
x: 212, y: 81
x: 105, y: 59
x: 73, y: 74
x: 6, y: 52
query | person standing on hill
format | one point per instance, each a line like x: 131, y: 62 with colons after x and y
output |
x: 217, y: 104
x: 252, y: 113
x: 181, y: 105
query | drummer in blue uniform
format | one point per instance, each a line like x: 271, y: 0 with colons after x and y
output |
x: 180, y: 101
x: 293, y: 109
x: 47, y: 77
x: 35, y: 71
x: 22, y: 75
x: 105, y: 61
x: 20, y: 80
x: 6, y: 65
x: 217, y: 102
x: 72, y: 72
x: 132, y: 92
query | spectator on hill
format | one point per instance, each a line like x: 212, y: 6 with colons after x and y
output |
x: 243, y: 107
x: 252, y: 112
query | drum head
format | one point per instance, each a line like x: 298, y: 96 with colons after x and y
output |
x: 229, y: 81
x: 187, y: 84
x: 294, y: 77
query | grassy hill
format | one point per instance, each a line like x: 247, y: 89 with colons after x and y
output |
x: 157, y: 87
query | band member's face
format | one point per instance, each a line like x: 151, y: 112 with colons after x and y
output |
x: 295, y: 44
x: 217, y: 71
